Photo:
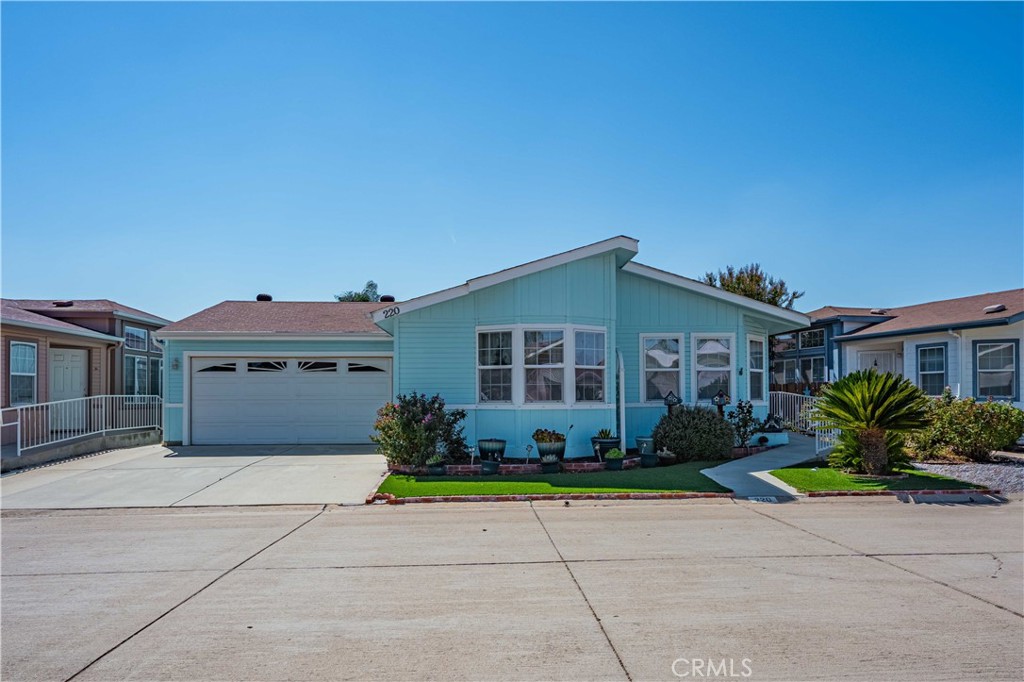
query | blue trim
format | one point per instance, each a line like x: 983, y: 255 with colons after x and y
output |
x: 854, y: 336
x: 1016, y: 368
x: 944, y: 345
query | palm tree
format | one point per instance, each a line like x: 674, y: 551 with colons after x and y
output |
x: 869, y: 406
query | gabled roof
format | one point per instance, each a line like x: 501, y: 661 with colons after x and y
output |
x: 625, y: 246
x: 84, y: 307
x: 279, y: 318
x: 13, y: 314
x: 952, y: 313
x: 830, y: 311
x: 782, y: 314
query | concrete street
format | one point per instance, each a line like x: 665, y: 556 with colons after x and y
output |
x: 823, y: 589
x: 212, y: 475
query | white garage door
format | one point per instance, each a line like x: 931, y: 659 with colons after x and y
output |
x: 287, y: 400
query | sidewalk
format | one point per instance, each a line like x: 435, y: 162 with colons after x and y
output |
x: 748, y: 477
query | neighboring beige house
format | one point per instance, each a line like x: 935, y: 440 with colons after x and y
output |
x: 58, y: 350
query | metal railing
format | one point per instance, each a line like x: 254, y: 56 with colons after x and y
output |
x: 64, y: 420
x: 796, y: 411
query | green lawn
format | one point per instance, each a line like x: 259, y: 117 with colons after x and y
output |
x: 812, y: 477
x: 676, y: 478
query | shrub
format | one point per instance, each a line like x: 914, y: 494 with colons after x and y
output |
x: 414, y: 428
x: 868, y: 406
x: 967, y: 429
x: 848, y: 453
x: 744, y: 422
x: 614, y: 453
x: 694, y: 433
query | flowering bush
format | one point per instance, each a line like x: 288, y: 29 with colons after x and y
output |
x: 967, y: 429
x: 415, y: 429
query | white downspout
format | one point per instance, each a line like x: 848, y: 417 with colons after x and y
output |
x: 621, y: 399
x: 959, y: 360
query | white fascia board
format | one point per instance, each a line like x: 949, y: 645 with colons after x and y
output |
x: 267, y: 336
x: 626, y: 243
x: 85, y: 333
x: 714, y: 292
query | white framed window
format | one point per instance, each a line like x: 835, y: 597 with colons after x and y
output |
x: 136, y: 375
x: 784, y: 371
x: 756, y: 368
x: 541, y: 365
x: 589, y: 366
x: 23, y: 373
x: 154, y: 347
x: 713, y: 365
x: 813, y: 338
x: 660, y: 366
x: 995, y: 369
x: 494, y: 366
x: 136, y: 338
x: 812, y: 370
x: 783, y: 343
x: 931, y: 368
x: 544, y: 365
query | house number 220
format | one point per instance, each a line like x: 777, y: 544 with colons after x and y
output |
x: 390, y: 312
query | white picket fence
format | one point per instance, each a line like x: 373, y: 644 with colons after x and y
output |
x: 63, y: 420
x: 796, y: 411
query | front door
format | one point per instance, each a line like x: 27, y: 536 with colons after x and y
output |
x: 68, y: 373
x: 882, y: 361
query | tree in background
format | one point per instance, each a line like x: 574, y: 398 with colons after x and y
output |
x: 753, y: 282
x: 367, y: 295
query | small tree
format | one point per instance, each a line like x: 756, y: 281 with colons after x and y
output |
x: 751, y: 281
x: 869, y: 408
x: 744, y: 423
x: 367, y: 295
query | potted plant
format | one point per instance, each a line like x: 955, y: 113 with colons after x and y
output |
x: 549, y: 464
x: 491, y: 452
x: 549, y: 442
x: 604, y: 442
x: 666, y: 457
x: 436, y: 465
x: 613, y: 459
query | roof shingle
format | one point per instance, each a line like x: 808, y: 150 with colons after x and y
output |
x: 952, y: 312
x: 294, y: 317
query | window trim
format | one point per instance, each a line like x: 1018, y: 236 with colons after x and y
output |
x: 800, y: 369
x: 765, y: 370
x: 12, y: 373
x: 800, y: 338
x: 594, y: 368
x: 680, y: 338
x: 135, y: 363
x: 1016, y: 368
x: 944, y: 345
x: 145, y: 339
x: 519, y: 367
x: 554, y: 366
x: 510, y: 367
x: 694, y: 339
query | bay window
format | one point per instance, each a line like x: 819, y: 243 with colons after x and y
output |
x: 494, y: 366
x: 589, y: 364
x: 661, y: 367
x: 544, y: 365
x: 712, y: 365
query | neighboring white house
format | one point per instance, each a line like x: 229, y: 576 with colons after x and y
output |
x: 971, y: 344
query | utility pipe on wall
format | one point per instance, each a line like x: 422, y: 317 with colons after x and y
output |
x: 621, y: 399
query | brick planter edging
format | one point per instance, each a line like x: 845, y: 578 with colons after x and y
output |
x: 391, y: 499
x: 877, y: 493
x: 511, y: 469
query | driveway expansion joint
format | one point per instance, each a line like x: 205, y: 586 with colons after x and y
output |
x: 191, y: 596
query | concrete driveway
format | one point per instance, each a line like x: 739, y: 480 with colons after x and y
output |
x: 814, y: 590
x: 156, y: 476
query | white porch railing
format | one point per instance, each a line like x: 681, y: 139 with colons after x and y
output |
x: 63, y: 420
x: 796, y: 411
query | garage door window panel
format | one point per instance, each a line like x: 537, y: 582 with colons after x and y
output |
x: 267, y: 366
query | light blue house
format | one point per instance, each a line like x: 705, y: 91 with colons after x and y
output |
x: 588, y: 338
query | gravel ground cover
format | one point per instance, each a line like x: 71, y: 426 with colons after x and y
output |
x: 1007, y: 476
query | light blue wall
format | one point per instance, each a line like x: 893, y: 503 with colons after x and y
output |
x: 174, y: 378
x: 436, y: 348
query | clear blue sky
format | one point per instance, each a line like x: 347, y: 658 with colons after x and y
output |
x: 170, y: 156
